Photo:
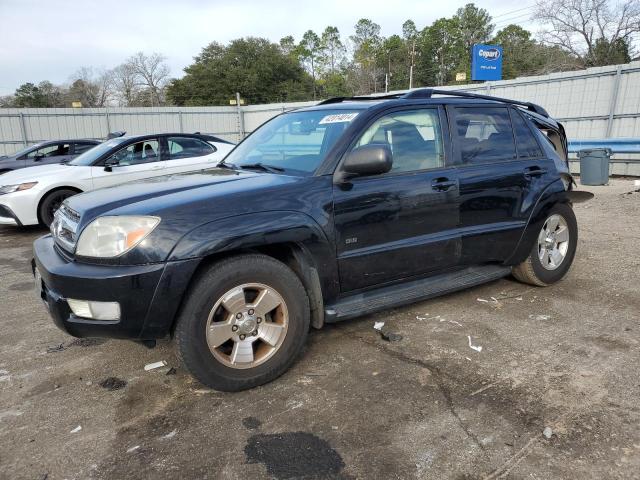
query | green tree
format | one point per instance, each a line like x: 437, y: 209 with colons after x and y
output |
x: 333, y: 48
x: 410, y: 36
x: 255, y: 67
x: 394, y: 61
x: 309, y: 50
x: 442, y: 51
x: 43, y: 95
x: 367, y: 43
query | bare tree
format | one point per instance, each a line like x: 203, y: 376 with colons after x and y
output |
x: 90, y: 88
x: 125, y: 81
x: 593, y: 30
x: 152, y: 72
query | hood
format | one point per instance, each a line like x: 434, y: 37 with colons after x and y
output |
x: 184, y: 192
x: 32, y: 174
x: 7, y: 159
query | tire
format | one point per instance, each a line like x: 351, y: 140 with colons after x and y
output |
x: 51, y: 202
x: 214, y: 302
x: 533, y: 270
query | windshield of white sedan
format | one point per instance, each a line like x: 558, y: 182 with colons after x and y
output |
x: 297, y: 141
x: 90, y: 156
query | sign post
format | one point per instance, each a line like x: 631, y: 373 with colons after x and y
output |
x: 486, y: 62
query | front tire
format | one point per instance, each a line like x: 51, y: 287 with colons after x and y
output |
x: 51, y: 202
x: 243, y: 323
x: 553, y: 251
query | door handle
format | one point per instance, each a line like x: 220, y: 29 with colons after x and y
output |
x: 534, y: 171
x: 443, y: 184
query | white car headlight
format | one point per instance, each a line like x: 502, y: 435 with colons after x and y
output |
x: 16, y: 188
x: 108, y: 237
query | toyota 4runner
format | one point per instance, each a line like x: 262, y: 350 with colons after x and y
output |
x: 322, y: 214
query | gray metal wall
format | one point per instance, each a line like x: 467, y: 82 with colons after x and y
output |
x: 599, y: 102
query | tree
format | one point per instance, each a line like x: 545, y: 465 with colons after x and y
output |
x: 442, y: 51
x: 288, y: 45
x: 310, y: 50
x: 394, y: 61
x: 332, y: 47
x: 152, y: 73
x: 255, y: 67
x: 125, y: 84
x: 92, y: 90
x: 410, y: 37
x: 474, y: 24
x: 596, y: 32
x: 43, y: 95
x: 367, y: 42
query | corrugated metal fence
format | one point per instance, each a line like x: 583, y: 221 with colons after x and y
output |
x: 601, y: 102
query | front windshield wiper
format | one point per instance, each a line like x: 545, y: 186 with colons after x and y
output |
x: 263, y: 167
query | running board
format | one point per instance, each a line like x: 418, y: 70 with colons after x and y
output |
x: 410, y: 292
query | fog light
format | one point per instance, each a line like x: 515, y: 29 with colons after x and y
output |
x: 95, y: 310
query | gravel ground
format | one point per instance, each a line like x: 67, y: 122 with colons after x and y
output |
x: 561, y: 360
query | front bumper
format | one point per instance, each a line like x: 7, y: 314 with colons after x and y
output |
x: 149, y: 295
x: 20, y: 208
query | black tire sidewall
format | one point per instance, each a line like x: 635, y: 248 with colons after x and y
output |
x: 214, y: 283
x: 553, y: 276
x: 45, y: 204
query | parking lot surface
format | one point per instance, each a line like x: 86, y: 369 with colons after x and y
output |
x: 500, y: 381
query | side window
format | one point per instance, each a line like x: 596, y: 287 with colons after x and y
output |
x: 51, y: 151
x: 527, y: 145
x: 82, y: 147
x: 185, y: 147
x: 484, y: 134
x: 414, y: 137
x: 137, y: 153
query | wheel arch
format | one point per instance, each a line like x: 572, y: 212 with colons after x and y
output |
x: 49, y: 192
x: 292, y: 238
x: 552, y: 195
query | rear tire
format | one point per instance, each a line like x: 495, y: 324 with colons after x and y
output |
x: 51, y: 202
x: 553, y: 251
x: 243, y: 323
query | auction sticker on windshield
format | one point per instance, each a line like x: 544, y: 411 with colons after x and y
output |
x: 338, y: 118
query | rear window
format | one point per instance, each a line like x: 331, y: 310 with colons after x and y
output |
x: 485, y: 134
x: 527, y: 145
x: 187, y: 147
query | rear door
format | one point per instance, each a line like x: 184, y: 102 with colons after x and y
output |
x: 498, y: 178
x: 137, y: 160
x: 400, y: 224
x: 186, y: 154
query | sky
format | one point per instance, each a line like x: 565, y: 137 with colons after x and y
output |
x: 51, y: 39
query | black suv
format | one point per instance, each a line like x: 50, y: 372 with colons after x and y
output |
x: 322, y: 214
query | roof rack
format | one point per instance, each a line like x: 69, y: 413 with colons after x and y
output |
x: 429, y: 92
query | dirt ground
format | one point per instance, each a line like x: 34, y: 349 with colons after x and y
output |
x: 563, y: 358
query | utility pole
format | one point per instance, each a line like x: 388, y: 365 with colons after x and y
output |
x: 413, y: 56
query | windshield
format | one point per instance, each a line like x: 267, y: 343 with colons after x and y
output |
x: 91, y: 155
x: 296, y: 141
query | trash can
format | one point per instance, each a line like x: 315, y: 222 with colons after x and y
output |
x: 594, y: 166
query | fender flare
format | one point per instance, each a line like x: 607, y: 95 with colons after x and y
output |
x: 252, y: 231
x: 553, y: 194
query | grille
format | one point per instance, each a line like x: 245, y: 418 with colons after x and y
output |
x: 64, y: 228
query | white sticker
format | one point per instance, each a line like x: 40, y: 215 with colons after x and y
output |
x: 338, y: 118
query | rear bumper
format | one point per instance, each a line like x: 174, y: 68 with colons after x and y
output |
x: 149, y: 295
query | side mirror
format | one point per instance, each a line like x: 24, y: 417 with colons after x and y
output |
x: 109, y: 164
x: 38, y: 157
x: 368, y: 160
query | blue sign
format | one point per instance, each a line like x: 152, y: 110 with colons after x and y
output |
x: 486, y: 62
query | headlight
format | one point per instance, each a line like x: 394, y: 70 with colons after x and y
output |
x: 17, y: 188
x: 108, y: 237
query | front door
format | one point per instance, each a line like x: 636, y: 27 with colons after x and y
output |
x: 133, y: 162
x: 400, y: 224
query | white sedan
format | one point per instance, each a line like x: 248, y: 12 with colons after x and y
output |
x: 32, y: 195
